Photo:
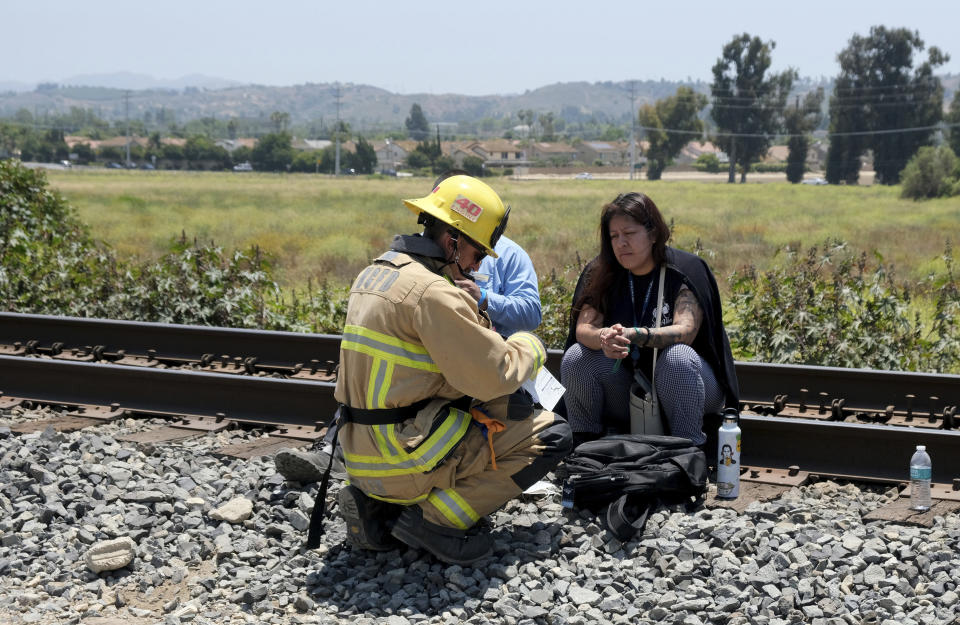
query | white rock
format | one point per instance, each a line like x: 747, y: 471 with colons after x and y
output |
x: 237, y: 510
x: 110, y: 555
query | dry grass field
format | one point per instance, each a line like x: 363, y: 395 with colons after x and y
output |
x: 318, y: 227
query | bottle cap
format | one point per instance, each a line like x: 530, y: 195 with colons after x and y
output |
x: 921, y: 448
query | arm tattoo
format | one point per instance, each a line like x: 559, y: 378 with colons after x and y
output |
x: 687, y: 317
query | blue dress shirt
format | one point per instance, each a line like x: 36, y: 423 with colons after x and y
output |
x: 513, y: 297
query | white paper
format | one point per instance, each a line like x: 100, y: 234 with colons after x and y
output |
x: 542, y: 488
x: 546, y: 390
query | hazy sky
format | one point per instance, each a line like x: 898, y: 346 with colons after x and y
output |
x: 430, y: 46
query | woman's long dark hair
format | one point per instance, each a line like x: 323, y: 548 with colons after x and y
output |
x: 639, y: 208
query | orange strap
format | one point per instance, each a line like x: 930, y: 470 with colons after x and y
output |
x: 493, y: 426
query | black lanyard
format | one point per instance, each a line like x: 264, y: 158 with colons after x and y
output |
x: 635, y: 354
x: 646, y: 298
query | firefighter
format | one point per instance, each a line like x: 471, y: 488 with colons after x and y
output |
x: 436, y: 432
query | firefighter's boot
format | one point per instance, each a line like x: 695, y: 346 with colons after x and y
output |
x: 448, y: 544
x: 368, y: 520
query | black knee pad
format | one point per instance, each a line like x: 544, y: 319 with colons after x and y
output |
x: 557, y: 441
x: 520, y: 405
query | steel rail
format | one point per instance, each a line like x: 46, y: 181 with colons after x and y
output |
x: 174, y: 341
x: 869, y: 388
x: 814, y: 446
x: 852, y: 450
x: 759, y: 382
x: 169, y: 391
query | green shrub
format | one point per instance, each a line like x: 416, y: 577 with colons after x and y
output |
x: 50, y: 265
x: 828, y: 307
x: 769, y: 168
x: 707, y: 162
x: 930, y: 173
x: 556, y: 297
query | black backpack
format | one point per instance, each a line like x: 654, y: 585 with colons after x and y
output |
x: 625, y: 476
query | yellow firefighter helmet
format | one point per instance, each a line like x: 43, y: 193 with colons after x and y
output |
x: 468, y: 205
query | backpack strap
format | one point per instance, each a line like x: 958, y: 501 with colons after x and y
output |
x: 315, y: 533
x: 620, y: 516
x: 658, y: 312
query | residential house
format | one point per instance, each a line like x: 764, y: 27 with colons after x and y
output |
x: 553, y: 153
x: 777, y: 154
x: 605, y: 152
x: 121, y: 142
x: 693, y: 150
x: 501, y: 153
x: 232, y: 144
x: 459, y: 151
x: 392, y: 154
x: 312, y: 145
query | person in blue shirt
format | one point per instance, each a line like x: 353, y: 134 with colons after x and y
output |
x: 506, y: 288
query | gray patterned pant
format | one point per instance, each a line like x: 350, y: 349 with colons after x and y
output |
x: 597, y: 397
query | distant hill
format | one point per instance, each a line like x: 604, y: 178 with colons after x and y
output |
x: 130, y: 80
x: 365, y: 107
x: 361, y: 105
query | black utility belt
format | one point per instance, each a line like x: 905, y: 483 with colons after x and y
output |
x: 381, y: 416
x: 386, y: 416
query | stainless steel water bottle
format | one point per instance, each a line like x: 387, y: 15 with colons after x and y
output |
x: 728, y: 455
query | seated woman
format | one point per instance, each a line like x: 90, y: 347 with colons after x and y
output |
x: 613, y: 318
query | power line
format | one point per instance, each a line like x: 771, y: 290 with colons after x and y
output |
x: 762, y: 135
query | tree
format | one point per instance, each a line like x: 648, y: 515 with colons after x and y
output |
x: 669, y: 125
x: 876, y: 98
x: 547, y: 127
x: 747, y: 105
x: 798, y: 122
x: 280, y: 121
x: 273, y: 152
x: 430, y: 154
x: 112, y: 153
x: 170, y: 152
x: 306, y: 161
x: 473, y: 165
x: 84, y: 153
x: 527, y: 118
x: 930, y: 173
x: 364, y: 160
x: 417, y: 159
x: 241, y: 155
x: 953, y: 117
x: 417, y: 126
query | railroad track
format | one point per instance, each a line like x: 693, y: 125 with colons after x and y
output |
x: 797, y: 420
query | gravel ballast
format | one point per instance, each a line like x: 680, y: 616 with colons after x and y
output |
x: 214, y: 539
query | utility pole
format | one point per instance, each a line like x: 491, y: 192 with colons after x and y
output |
x: 633, y: 132
x: 336, y: 130
x: 126, y: 107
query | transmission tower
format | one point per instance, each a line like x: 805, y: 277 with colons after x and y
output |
x: 633, y: 132
x: 126, y: 108
x: 336, y: 130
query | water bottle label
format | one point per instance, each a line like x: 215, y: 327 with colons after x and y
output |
x: 920, y: 473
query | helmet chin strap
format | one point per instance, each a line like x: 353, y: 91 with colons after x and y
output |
x: 456, y: 260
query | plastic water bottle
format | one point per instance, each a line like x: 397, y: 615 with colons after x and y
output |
x: 728, y: 456
x: 567, y: 496
x: 921, y: 470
